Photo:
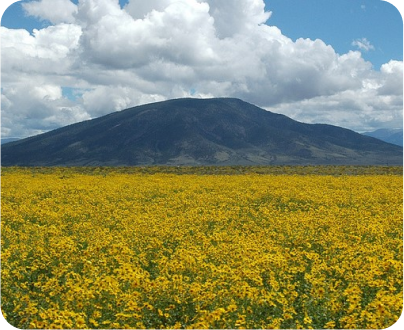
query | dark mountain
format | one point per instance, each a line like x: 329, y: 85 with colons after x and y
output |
x: 394, y: 136
x: 197, y: 131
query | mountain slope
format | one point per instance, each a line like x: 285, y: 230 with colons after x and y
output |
x: 393, y: 136
x: 197, y: 131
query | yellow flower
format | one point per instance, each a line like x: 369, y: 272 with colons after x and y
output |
x: 94, y: 322
x: 232, y: 308
x: 329, y: 325
x: 287, y: 316
x: 80, y: 323
x: 132, y: 243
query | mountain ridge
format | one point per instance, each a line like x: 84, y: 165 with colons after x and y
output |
x: 187, y: 131
x: 393, y: 136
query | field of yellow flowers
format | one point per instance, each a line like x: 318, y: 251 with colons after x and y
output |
x: 115, y: 248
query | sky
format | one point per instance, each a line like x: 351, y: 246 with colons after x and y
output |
x: 338, y: 62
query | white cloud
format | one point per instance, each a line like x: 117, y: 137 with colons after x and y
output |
x: 391, y: 79
x: 229, y: 17
x: 160, y: 49
x: 55, y: 11
x: 363, y: 44
x: 378, y: 103
x: 240, y: 15
x: 47, y: 51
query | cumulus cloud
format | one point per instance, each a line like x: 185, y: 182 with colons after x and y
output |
x: 55, y: 11
x: 377, y: 103
x: 159, y: 49
x: 391, y: 79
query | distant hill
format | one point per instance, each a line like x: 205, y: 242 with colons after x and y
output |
x: 219, y: 131
x: 394, y: 136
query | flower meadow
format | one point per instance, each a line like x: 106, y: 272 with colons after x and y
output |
x: 244, y: 248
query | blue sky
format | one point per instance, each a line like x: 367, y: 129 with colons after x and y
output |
x: 318, y: 61
x: 340, y: 22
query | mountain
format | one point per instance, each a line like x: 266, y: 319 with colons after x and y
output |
x: 394, y: 136
x: 219, y: 131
